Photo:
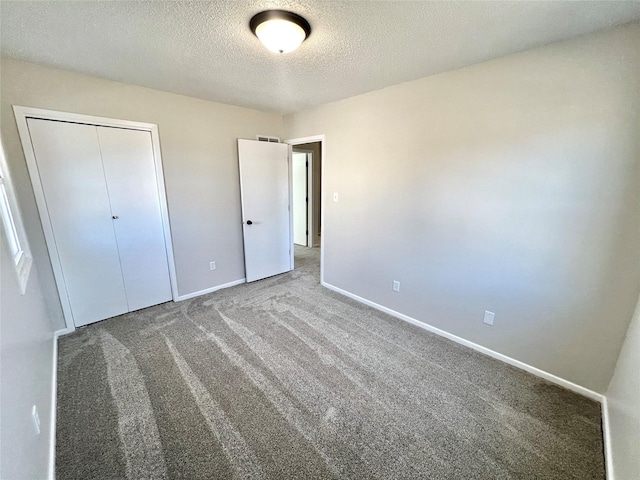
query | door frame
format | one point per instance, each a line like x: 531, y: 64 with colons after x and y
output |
x: 310, y: 226
x: 22, y: 114
x: 321, y: 139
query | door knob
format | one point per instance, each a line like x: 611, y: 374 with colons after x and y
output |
x: 249, y: 222
x: 115, y: 217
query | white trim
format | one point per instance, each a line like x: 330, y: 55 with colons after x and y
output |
x: 209, y: 290
x: 21, y: 115
x: 14, y: 225
x: 606, y: 436
x: 321, y: 139
x: 164, y: 210
x: 64, y: 331
x: 301, y: 140
x: 311, y: 233
x: 54, y: 401
x: 499, y: 356
x: 23, y: 269
x: 290, y: 173
x: 79, y: 118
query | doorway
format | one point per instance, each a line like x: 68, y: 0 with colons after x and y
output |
x: 311, y: 150
x: 302, y: 197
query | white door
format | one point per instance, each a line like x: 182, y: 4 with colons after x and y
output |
x: 299, y: 166
x: 130, y: 173
x: 102, y: 200
x: 72, y: 177
x: 266, y: 222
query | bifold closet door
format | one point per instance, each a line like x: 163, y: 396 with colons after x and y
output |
x: 130, y: 173
x: 102, y: 199
x: 73, y: 181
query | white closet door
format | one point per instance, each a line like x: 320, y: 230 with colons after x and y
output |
x: 129, y: 168
x: 72, y: 178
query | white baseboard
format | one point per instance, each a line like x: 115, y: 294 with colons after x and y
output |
x: 209, y: 290
x: 606, y: 435
x: 54, y: 401
x: 499, y: 356
x: 64, y: 331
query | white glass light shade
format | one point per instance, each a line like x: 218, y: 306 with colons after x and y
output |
x: 280, y: 36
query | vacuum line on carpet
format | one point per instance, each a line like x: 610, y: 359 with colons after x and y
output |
x: 137, y: 427
x: 236, y: 449
x: 277, y: 398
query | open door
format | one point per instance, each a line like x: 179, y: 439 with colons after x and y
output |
x: 266, y: 219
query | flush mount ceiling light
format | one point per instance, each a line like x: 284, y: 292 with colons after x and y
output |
x: 280, y: 31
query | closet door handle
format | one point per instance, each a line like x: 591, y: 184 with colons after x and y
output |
x: 115, y: 217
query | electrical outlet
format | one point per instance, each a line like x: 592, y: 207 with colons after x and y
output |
x: 488, y: 317
x: 396, y: 286
x: 212, y: 265
x: 36, y: 419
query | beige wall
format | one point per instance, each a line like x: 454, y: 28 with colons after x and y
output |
x: 623, y: 401
x: 511, y: 186
x: 199, y: 153
x: 26, y: 366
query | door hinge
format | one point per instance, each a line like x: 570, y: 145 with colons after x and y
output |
x: 306, y: 164
x: 307, y: 232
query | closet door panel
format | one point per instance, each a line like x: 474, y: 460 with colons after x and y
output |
x: 72, y: 178
x: 129, y: 168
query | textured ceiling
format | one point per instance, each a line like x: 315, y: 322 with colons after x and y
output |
x: 206, y: 50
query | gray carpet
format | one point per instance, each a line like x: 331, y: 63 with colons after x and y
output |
x: 284, y: 379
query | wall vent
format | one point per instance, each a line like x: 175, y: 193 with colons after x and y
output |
x: 265, y: 138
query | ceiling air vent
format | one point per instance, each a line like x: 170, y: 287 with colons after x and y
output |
x: 265, y: 138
